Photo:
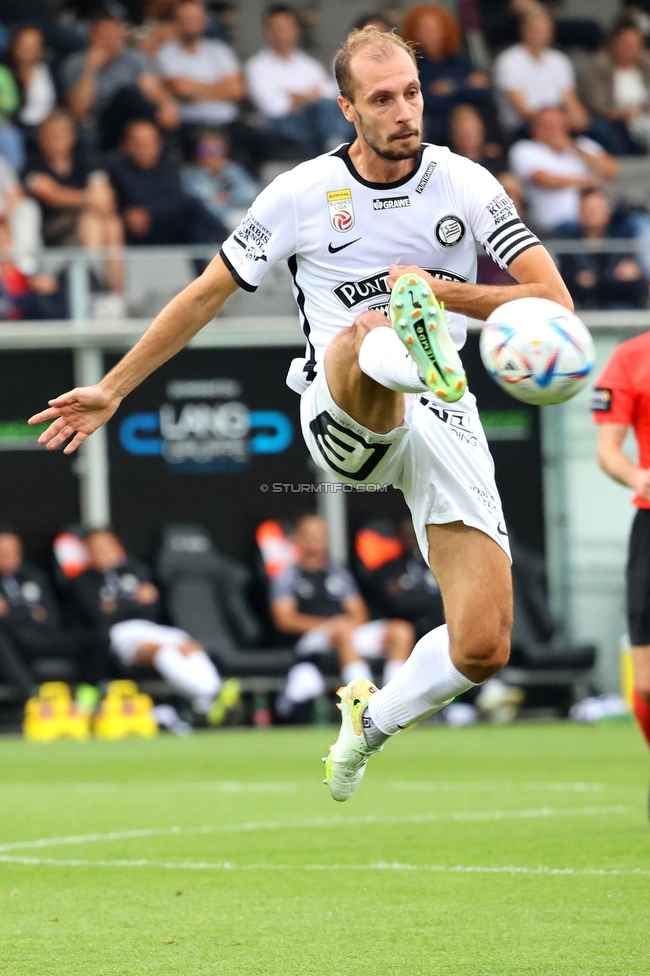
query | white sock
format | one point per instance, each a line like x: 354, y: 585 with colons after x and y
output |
x: 425, y: 683
x: 390, y: 670
x: 383, y: 357
x: 193, y: 675
x: 355, y: 671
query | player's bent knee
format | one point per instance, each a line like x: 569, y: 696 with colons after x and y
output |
x: 483, y: 658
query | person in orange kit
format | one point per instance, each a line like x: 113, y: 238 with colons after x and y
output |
x: 622, y: 400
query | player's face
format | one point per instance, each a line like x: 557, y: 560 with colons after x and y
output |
x: 387, y: 107
x: 311, y: 539
x: 11, y: 553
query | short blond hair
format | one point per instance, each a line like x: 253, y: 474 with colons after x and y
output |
x: 380, y: 46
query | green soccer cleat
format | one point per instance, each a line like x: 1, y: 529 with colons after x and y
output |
x: 419, y: 320
x: 346, y: 764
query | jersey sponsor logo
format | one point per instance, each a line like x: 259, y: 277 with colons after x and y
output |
x: 391, y: 203
x: 456, y: 421
x: 450, y: 230
x: 601, y: 400
x: 333, y: 250
x: 501, y: 208
x: 428, y: 173
x: 253, y: 237
x: 341, y: 210
x: 345, y: 451
x: 353, y: 293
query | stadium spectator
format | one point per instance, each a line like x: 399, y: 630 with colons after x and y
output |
x: 12, y: 143
x: 292, y: 91
x: 225, y: 188
x: 110, y: 83
x: 31, y: 625
x: 616, y: 86
x: 319, y: 605
x: 205, y: 76
x: 60, y: 38
x: 35, y: 83
x: 532, y: 75
x: 501, y: 18
x: 26, y: 293
x: 447, y: 75
x: 554, y: 169
x: 595, y: 278
x: 151, y: 199
x: 23, y: 216
x: 77, y: 204
x: 376, y: 19
x: 467, y: 137
x: 405, y: 587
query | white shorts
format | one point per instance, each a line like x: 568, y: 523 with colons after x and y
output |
x: 439, y: 459
x: 130, y: 635
x: 367, y: 640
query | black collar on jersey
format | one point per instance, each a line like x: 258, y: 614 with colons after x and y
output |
x: 343, y: 152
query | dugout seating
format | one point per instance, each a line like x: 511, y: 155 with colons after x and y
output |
x: 206, y: 594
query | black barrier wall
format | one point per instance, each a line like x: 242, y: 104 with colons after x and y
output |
x: 201, y: 436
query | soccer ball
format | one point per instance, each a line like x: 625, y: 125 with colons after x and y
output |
x: 537, y: 350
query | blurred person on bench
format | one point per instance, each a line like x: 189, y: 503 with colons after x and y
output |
x: 292, y: 91
x: 110, y: 83
x: 320, y: 606
x: 405, y: 587
x: 32, y: 628
x: 116, y: 597
x: 77, y: 203
x: 554, y: 169
x: 151, y: 199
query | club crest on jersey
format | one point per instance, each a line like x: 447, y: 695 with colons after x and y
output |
x: 341, y: 210
x: 450, y: 230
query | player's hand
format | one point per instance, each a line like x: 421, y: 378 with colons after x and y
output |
x: 641, y: 482
x: 436, y: 284
x: 75, y: 415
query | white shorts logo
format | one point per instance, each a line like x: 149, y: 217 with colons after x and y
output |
x: 345, y: 451
x: 341, y: 210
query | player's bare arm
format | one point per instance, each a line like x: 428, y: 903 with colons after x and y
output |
x: 615, y: 463
x: 534, y: 271
x: 82, y: 411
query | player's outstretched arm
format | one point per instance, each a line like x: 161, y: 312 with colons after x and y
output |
x: 534, y: 270
x: 81, y: 411
x: 614, y: 462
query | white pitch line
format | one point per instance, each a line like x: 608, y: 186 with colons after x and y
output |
x: 541, y: 870
x: 371, y: 820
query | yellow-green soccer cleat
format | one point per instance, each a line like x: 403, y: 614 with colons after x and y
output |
x: 419, y: 320
x: 346, y: 764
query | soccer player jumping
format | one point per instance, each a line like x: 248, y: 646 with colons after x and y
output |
x: 386, y: 226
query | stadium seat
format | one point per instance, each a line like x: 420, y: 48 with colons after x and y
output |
x: 206, y: 595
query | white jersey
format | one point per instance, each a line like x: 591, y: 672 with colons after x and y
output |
x: 340, y: 234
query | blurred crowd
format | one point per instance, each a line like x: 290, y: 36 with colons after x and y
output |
x: 135, y: 122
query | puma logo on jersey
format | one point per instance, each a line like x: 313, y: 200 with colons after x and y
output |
x: 353, y: 293
x: 345, y: 451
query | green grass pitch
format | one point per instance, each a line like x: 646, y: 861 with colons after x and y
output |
x: 472, y: 852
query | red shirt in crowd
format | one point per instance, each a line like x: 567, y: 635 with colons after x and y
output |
x: 622, y: 395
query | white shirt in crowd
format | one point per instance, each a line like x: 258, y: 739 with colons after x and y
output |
x: 209, y: 62
x: 548, y: 208
x: 272, y: 80
x: 39, y: 97
x: 542, y: 81
x: 629, y: 88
